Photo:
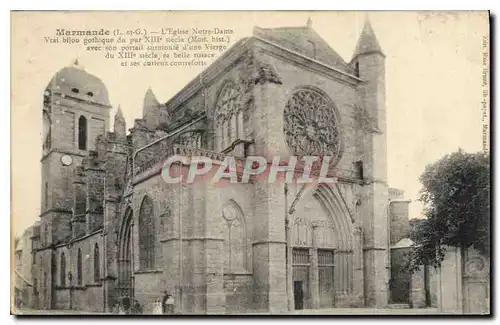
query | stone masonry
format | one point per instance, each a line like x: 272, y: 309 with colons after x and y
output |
x: 112, y: 228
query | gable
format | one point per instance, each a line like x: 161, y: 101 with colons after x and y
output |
x: 305, y: 41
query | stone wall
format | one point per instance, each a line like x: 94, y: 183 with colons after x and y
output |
x: 463, y: 283
x: 400, y: 226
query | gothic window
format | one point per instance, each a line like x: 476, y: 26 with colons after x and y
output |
x: 97, y: 264
x: 229, y: 118
x: 45, y: 284
x: 147, y: 236
x: 356, y: 69
x: 235, y: 241
x: 46, y: 195
x: 79, y: 274
x: 45, y: 235
x: 63, y: 269
x: 311, y: 126
x: 82, y: 133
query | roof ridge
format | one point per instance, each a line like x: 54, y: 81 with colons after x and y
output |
x: 298, y: 38
x: 284, y: 27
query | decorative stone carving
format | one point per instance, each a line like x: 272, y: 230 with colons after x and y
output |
x: 228, y: 103
x: 266, y: 73
x: 475, y: 266
x: 311, y: 126
x: 363, y: 120
x: 190, y: 139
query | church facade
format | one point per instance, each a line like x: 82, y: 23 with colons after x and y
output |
x: 111, y: 227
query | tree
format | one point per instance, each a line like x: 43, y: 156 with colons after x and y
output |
x: 456, y: 196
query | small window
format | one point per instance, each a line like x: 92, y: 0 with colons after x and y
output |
x: 359, y: 169
x: 63, y: 270
x: 46, y: 195
x: 79, y: 274
x: 356, y: 69
x: 91, y: 94
x: 75, y: 90
x: 97, y: 265
x: 82, y: 133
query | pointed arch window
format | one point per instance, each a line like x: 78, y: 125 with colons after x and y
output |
x: 63, y: 270
x: 97, y: 264
x: 229, y: 117
x: 82, y: 133
x: 79, y: 274
x: 235, y: 240
x: 46, y: 195
x: 147, y: 235
x: 45, y: 235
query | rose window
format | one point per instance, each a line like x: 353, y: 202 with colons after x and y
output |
x: 311, y: 126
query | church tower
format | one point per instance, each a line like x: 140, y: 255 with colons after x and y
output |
x: 75, y: 111
x: 369, y: 65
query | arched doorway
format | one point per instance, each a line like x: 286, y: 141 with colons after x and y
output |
x: 324, y: 249
x: 125, y: 284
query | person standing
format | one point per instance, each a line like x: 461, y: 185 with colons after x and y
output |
x: 170, y: 305
x: 136, y: 308
x: 157, y: 307
x: 167, y: 304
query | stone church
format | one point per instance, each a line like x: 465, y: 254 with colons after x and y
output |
x: 111, y: 227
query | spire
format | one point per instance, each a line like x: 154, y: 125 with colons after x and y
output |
x: 119, y: 114
x: 120, y: 127
x: 309, y: 23
x: 150, y: 101
x: 367, y: 42
x: 76, y: 64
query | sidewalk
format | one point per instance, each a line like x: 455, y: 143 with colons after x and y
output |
x: 305, y: 312
x: 41, y: 312
x: 367, y: 311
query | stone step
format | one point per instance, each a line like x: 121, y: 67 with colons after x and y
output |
x: 399, y: 306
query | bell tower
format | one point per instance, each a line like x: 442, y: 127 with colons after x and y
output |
x: 75, y: 111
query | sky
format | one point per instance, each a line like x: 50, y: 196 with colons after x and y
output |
x: 433, y: 80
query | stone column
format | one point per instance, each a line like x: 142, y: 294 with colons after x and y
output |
x: 376, y: 245
x: 269, y: 245
x: 214, y: 248
x: 358, y: 272
x: 314, y: 270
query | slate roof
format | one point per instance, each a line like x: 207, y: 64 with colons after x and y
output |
x: 403, y: 243
x: 304, y: 40
x: 73, y: 77
x: 367, y: 42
